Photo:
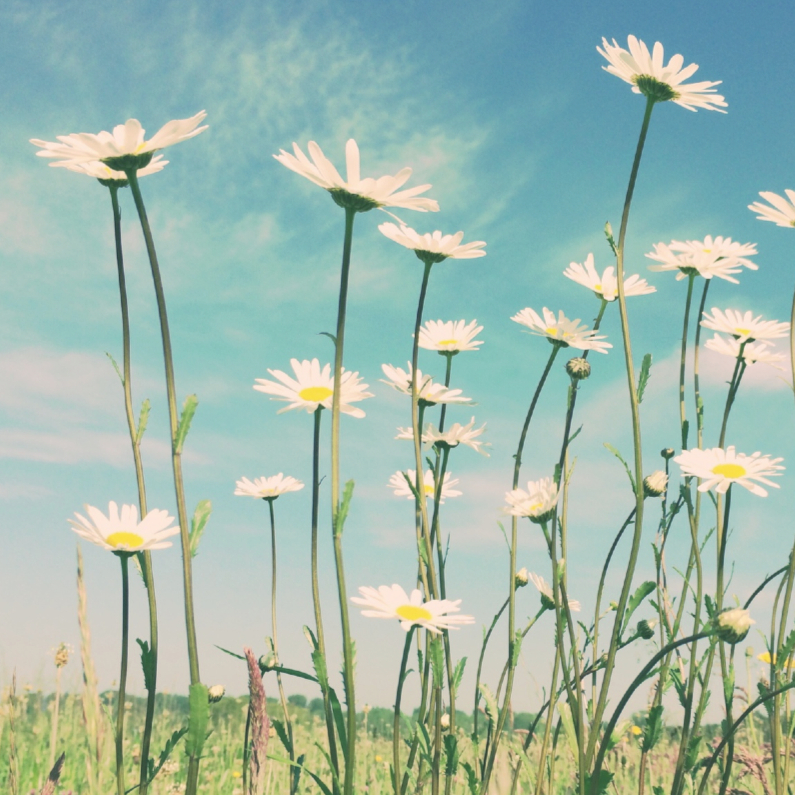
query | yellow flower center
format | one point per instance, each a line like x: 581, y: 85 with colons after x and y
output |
x: 124, y: 540
x: 413, y: 613
x: 745, y: 332
x: 552, y: 331
x: 730, y: 470
x: 430, y: 490
x: 707, y: 250
x: 536, y: 506
x: 448, y: 342
x: 315, y: 394
x: 597, y: 288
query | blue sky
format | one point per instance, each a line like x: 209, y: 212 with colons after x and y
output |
x: 506, y: 110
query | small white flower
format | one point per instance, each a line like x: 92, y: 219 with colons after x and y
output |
x: 215, y: 693
x: 267, y: 488
x: 457, y: 434
x: 606, y: 285
x: 428, y: 392
x: 393, y: 602
x: 753, y: 352
x: 720, y: 468
x: 546, y: 593
x: 122, y: 532
x: 432, y: 246
x: 450, y: 336
x: 313, y: 387
x: 561, y: 330
x: 125, y: 140
x: 537, y: 503
x: 744, y: 327
x: 733, y: 624
x: 782, y: 212
x: 401, y: 488
x: 370, y: 193
x: 654, y: 485
x: 647, y: 75
x: 710, y: 257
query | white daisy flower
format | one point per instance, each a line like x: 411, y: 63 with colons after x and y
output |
x: 537, y: 503
x: 546, y: 593
x: 720, y: 468
x: 450, y: 336
x: 126, y: 141
x: 393, y: 602
x: 782, y: 212
x: 267, y: 488
x: 123, y: 532
x: 401, y: 488
x: 647, y: 75
x: 432, y: 246
x: 561, y: 330
x: 455, y: 435
x: 719, y: 257
x: 752, y: 352
x: 361, y: 194
x: 429, y: 393
x: 744, y: 327
x: 313, y: 387
x: 606, y: 285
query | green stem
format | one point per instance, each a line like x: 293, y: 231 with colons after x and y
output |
x: 634, y: 406
x: 347, y: 646
x: 683, y: 359
x: 696, y: 379
x: 125, y: 631
x: 486, y: 638
x: 396, y: 723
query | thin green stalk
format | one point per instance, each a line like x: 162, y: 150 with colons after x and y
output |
x: 683, y: 359
x: 347, y: 645
x: 696, y: 378
x: 396, y: 724
x: 287, y: 722
x: 634, y: 406
x: 485, y: 643
x: 125, y: 631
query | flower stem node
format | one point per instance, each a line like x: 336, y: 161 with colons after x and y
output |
x: 215, y: 693
x: 732, y: 624
x: 521, y: 578
x: 645, y: 629
x: 654, y: 485
x: 578, y: 368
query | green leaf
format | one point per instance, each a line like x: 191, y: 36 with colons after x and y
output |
x: 693, y: 749
x: 230, y: 653
x: 653, y: 729
x: 458, y: 673
x: 492, y: 711
x: 516, y: 648
x: 643, y: 378
x: 728, y: 685
x: 764, y: 690
x: 604, y: 781
x: 437, y: 662
x: 143, y: 419
x: 171, y: 744
x: 339, y: 721
x: 643, y: 590
x: 188, y: 410
x: 424, y: 743
x: 298, y: 763
x: 295, y: 774
x: 472, y: 778
x: 564, y: 710
x: 283, y: 736
x: 319, y: 664
x: 198, y: 718
x: 330, y: 336
x: 621, y: 459
x: 342, y: 513
x: 148, y: 664
x: 675, y: 676
x: 785, y: 652
x: 451, y: 755
x: 685, y: 431
x: 115, y: 367
x: 197, y: 524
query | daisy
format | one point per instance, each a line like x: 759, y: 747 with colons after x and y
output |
x: 124, y: 533
x: 360, y: 194
x: 450, y: 337
x: 562, y: 331
x: 647, y: 75
x: 107, y: 175
x: 428, y: 392
x: 606, y: 285
x: 313, y: 387
x: 719, y: 257
x: 752, y: 352
x: 745, y: 327
x: 267, y: 488
x: 782, y: 213
x: 124, y: 146
x: 546, y: 593
x: 401, y: 487
x: 393, y: 602
x: 721, y: 468
x: 433, y: 246
x: 537, y: 503
x: 457, y: 434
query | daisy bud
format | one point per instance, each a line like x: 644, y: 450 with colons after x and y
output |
x: 733, y: 624
x: 645, y: 629
x: 521, y: 578
x: 654, y: 485
x: 266, y: 662
x: 445, y: 721
x: 216, y: 693
x: 667, y: 453
x: 578, y: 368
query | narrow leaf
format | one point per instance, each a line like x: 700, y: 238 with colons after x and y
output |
x: 143, y: 419
x: 188, y: 410
x: 621, y: 459
x: 197, y: 524
x: 342, y: 513
x: 148, y: 664
x: 643, y: 590
x: 653, y: 729
x: 458, y: 673
x: 643, y: 378
x: 197, y: 721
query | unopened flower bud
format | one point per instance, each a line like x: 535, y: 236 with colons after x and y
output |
x: 645, y: 629
x: 733, y: 624
x: 266, y: 662
x: 654, y: 485
x: 215, y: 693
x: 749, y: 651
x: 667, y: 453
x: 521, y: 578
x: 445, y: 721
x: 578, y: 368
